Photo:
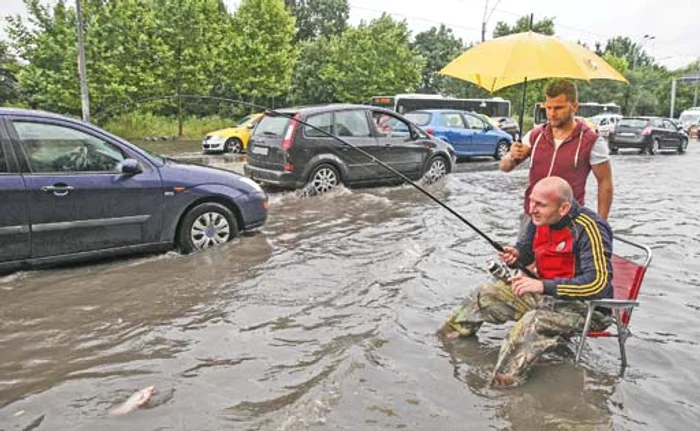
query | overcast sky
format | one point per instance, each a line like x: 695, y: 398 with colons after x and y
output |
x: 675, y: 24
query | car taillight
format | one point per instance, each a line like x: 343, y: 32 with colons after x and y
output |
x: 288, y: 167
x: 289, y: 136
x: 431, y: 132
x: 646, y: 131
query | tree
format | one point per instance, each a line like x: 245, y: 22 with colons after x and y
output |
x: 261, y: 55
x: 49, y: 48
x: 318, y: 18
x: 543, y: 26
x: 623, y: 47
x: 9, y: 92
x: 374, y: 58
x: 438, y: 47
x: 311, y: 84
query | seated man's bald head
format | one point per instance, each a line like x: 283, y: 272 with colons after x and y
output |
x: 550, y: 200
x: 556, y: 187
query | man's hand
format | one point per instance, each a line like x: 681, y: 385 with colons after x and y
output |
x: 522, y: 285
x: 510, y: 255
x: 519, y: 151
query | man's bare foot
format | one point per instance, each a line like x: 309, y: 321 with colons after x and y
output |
x: 447, y: 333
x: 504, y: 381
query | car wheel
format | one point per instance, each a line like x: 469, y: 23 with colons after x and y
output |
x: 682, y: 146
x: 654, y: 147
x: 323, y: 179
x: 233, y: 145
x: 501, y: 150
x: 205, y: 226
x: 437, y: 168
x: 614, y: 150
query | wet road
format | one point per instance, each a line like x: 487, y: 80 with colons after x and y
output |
x: 326, y: 320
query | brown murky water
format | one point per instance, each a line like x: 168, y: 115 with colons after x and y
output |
x: 326, y: 318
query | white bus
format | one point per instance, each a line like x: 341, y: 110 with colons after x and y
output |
x: 402, y: 103
x: 586, y: 110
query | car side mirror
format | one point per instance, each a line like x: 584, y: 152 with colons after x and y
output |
x: 130, y: 167
x: 251, y: 126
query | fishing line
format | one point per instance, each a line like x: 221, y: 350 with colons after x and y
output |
x: 274, y: 112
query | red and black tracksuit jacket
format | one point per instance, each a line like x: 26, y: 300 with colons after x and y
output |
x: 572, y: 256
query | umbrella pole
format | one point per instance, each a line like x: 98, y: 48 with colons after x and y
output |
x: 522, y: 110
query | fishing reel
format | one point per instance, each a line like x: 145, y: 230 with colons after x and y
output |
x: 500, y: 271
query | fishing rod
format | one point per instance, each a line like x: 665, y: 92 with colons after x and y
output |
x: 274, y: 112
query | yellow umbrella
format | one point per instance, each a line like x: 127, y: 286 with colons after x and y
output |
x: 528, y: 56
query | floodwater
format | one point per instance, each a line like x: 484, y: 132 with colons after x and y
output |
x: 326, y: 319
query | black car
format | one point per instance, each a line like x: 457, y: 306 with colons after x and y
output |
x: 648, y: 134
x: 289, y: 154
x: 508, y: 125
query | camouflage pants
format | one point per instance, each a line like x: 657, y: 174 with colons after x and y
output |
x: 540, y: 321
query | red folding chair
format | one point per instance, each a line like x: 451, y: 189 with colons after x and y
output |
x: 627, y: 281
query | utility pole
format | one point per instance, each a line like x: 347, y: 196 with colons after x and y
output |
x: 82, y: 73
x: 487, y: 16
x: 695, y: 99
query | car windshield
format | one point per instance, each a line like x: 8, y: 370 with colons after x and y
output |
x: 636, y: 123
x: 419, y: 118
x: 244, y: 122
x: 274, y: 125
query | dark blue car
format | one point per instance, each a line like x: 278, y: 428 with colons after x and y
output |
x: 71, y: 191
x: 469, y: 134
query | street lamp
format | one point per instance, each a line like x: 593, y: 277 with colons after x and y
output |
x: 635, y: 50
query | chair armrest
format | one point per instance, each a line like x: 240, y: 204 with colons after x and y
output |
x: 612, y: 303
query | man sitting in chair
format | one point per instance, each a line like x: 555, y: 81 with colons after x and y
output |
x: 570, y: 248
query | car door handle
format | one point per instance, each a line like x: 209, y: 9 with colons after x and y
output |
x: 58, y: 189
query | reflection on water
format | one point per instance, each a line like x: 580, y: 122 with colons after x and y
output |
x: 326, y: 320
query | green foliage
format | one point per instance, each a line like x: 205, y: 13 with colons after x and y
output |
x: 9, y: 68
x: 311, y: 85
x: 319, y: 18
x: 438, y: 47
x: 142, y: 125
x: 366, y: 61
x: 372, y: 59
x: 261, y: 54
x: 543, y: 26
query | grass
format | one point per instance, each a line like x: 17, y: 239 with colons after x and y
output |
x: 142, y: 126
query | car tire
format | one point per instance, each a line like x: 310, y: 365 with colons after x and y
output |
x: 323, y: 179
x: 206, y: 225
x: 502, y: 149
x: 654, y: 147
x: 614, y: 150
x: 682, y: 146
x: 233, y: 145
x: 436, y: 169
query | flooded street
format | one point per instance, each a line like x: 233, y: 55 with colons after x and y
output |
x: 326, y: 319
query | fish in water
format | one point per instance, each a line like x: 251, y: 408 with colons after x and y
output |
x: 134, y: 402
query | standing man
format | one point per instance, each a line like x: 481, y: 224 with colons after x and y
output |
x: 570, y: 247
x: 565, y: 147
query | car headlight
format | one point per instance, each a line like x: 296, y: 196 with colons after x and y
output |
x: 252, y: 183
x: 214, y: 139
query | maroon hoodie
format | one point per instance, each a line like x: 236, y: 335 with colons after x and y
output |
x: 571, y: 161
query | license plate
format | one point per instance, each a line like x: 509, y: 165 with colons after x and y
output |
x: 260, y: 150
x: 626, y: 134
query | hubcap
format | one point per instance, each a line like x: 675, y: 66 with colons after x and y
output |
x: 502, y: 150
x: 210, y: 229
x: 437, y: 170
x: 324, y: 180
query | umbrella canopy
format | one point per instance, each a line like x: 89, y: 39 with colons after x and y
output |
x: 515, y: 58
